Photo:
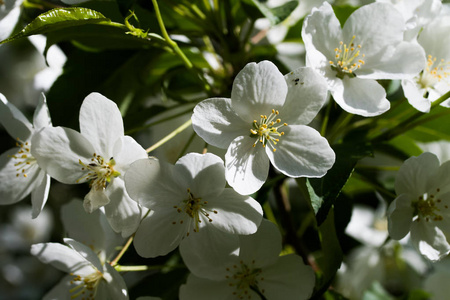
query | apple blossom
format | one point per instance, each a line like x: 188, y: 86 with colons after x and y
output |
x: 416, y: 13
x: 90, y: 274
x: 422, y: 186
x: 185, y: 198
x: 433, y: 81
x: 369, y: 47
x: 100, y: 155
x: 250, y: 125
x: 20, y: 174
x: 256, y: 269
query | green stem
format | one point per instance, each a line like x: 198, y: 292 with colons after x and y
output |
x: 408, y: 124
x: 120, y: 268
x: 166, y: 36
x: 122, y: 252
x: 128, y: 132
x: 170, y: 136
x: 326, y: 118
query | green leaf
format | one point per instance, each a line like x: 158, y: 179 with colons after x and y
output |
x: 331, y: 256
x: 59, y: 18
x: 257, y: 9
x: 377, y: 292
x: 418, y: 295
x: 325, y: 190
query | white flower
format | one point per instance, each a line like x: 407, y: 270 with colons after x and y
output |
x: 9, y: 15
x: 185, y: 198
x: 88, y: 277
x: 422, y: 205
x: 257, y: 268
x: 436, y: 283
x: 433, y: 81
x: 20, y: 174
x: 100, y: 155
x: 370, y: 46
x: 439, y: 148
x: 86, y: 260
x: 416, y: 13
x: 396, y: 267
x: 264, y: 121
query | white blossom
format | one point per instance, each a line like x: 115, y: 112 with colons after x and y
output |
x: 433, y: 81
x: 255, y: 269
x: 264, y: 121
x: 184, y: 199
x: 369, y: 47
x: 20, y: 174
x: 422, y: 205
x: 100, y: 155
x: 86, y: 260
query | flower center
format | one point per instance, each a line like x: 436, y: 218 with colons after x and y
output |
x: 428, y: 207
x: 266, y: 130
x: 194, y: 208
x: 434, y: 72
x: 99, y: 171
x: 244, y: 278
x: 347, y: 59
x: 24, y: 160
x: 85, y: 285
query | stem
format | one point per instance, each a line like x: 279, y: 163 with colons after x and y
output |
x: 323, y: 129
x: 170, y: 136
x: 128, y: 132
x: 122, y: 252
x: 408, y: 124
x: 166, y: 36
x: 175, y: 47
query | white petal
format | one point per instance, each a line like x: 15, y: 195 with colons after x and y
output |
x: 206, y: 253
x: 101, y: 123
x: 257, y: 89
x: 290, y: 275
x: 126, y: 151
x: 41, y: 117
x: 58, y: 151
x: 307, y: 92
x: 14, y: 121
x: 429, y: 240
x: 403, y: 60
x: 203, y: 289
x: 400, y: 214
x: 236, y: 214
x: 157, y: 235
x: 116, y: 288
x: 14, y: 188
x: 124, y: 214
x: 414, y: 94
x: 363, y: 97
x: 39, y: 195
x: 247, y: 167
x: 215, y: 121
x: 263, y: 247
x: 151, y: 183
x: 417, y: 174
x: 8, y: 23
x: 321, y: 33
x: 62, y: 257
x: 95, y: 199
x: 205, y: 173
x: 83, y: 227
x: 374, y: 26
x: 86, y: 252
x: 61, y: 289
x: 302, y: 151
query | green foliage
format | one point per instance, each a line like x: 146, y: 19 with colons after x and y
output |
x: 59, y: 18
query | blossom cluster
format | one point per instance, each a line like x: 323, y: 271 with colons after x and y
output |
x: 208, y: 207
